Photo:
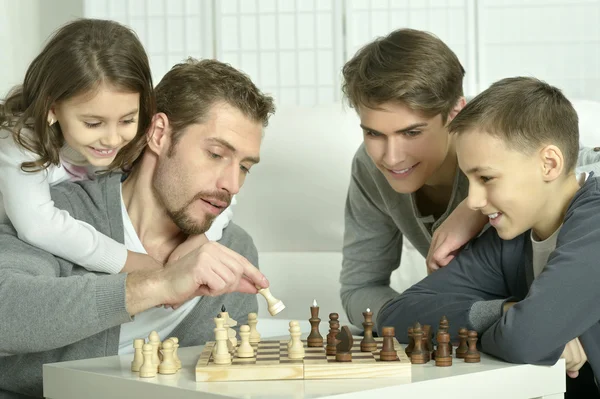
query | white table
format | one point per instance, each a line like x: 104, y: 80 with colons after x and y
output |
x: 111, y: 377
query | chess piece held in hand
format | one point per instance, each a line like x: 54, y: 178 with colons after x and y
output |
x: 275, y: 305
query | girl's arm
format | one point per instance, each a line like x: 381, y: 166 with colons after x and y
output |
x: 30, y: 208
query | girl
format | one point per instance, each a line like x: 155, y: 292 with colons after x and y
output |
x: 84, y: 105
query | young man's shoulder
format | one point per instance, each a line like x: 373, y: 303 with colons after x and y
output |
x: 584, y: 208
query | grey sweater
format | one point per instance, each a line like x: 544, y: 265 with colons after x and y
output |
x: 52, y: 310
x: 377, y: 219
x: 558, y: 306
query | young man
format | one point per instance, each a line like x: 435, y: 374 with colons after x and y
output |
x: 529, y: 285
x: 201, y: 144
x: 406, y: 88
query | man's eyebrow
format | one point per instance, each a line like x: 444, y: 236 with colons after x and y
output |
x: 231, y: 148
x: 403, y: 130
x: 134, y: 111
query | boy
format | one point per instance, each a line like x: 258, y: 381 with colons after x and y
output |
x: 406, y: 87
x: 529, y: 286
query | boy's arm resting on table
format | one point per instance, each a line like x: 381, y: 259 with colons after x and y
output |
x: 42, y: 311
x: 29, y: 205
x: 470, y: 291
x: 371, y: 252
x: 562, y: 302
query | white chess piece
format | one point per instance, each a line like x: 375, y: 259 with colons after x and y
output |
x: 245, y: 349
x: 221, y: 354
x: 275, y: 305
x: 229, y: 322
x: 138, y: 356
x: 154, y: 340
x: 168, y: 365
x: 175, y: 348
x: 292, y: 323
x: 254, y: 334
x: 148, y: 368
x: 296, y: 350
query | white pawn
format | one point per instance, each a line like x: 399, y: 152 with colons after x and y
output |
x: 154, y: 340
x: 296, y: 351
x: 254, y: 334
x: 275, y: 305
x: 148, y: 368
x: 221, y: 355
x: 175, y: 348
x: 292, y: 323
x: 168, y: 365
x: 245, y: 349
x: 138, y: 356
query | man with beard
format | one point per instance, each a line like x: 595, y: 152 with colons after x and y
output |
x: 201, y: 145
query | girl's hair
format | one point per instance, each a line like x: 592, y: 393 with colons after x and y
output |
x: 78, y: 58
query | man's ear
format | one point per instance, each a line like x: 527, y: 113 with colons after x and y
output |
x: 460, y: 104
x: 552, y: 162
x: 159, y: 133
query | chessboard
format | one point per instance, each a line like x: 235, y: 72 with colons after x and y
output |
x: 271, y: 363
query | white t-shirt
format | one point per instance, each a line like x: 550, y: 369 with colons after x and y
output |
x: 161, y: 320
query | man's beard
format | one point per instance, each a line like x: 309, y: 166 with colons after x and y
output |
x: 182, y: 218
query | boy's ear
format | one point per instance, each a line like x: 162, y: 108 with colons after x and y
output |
x: 159, y: 133
x: 460, y: 104
x: 553, y: 162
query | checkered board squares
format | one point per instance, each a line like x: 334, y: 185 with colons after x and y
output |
x: 271, y: 362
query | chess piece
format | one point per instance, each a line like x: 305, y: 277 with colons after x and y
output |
x: 292, y: 323
x: 275, y: 305
x: 343, y: 349
x: 314, y: 339
x: 175, y: 348
x: 148, y: 368
x: 334, y: 328
x: 462, y: 349
x: 138, y: 356
x: 221, y: 354
x: 445, y: 326
x: 417, y: 355
x: 442, y: 357
x: 296, y: 350
x: 154, y: 340
x: 254, y: 334
x: 229, y: 323
x: 220, y: 322
x: 388, y: 352
x: 168, y: 365
x: 427, y: 342
x: 472, y: 355
x: 411, y: 342
x: 368, y: 343
x: 245, y: 349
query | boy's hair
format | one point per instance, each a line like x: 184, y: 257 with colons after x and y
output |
x: 78, y: 58
x: 188, y: 91
x: 407, y: 66
x: 525, y: 113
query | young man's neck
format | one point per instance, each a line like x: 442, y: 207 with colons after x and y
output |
x: 438, y: 189
x: 157, y: 232
x: 558, y: 198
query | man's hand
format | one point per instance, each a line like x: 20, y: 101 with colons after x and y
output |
x: 191, y: 243
x: 460, y: 226
x: 210, y: 270
x: 574, y: 356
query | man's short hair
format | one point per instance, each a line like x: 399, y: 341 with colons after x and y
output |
x: 188, y: 91
x: 526, y: 114
x: 407, y: 66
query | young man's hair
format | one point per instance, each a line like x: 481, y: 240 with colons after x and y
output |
x: 525, y: 113
x: 188, y: 91
x: 407, y: 66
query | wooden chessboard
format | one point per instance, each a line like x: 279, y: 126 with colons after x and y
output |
x: 271, y: 363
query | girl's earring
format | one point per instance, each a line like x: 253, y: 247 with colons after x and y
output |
x: 51, y: 121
